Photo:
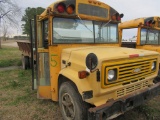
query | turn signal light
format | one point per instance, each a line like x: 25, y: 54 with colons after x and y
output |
x: 83, y: 74
x: 70, y: 9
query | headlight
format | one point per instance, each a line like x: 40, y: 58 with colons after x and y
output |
x: 112, y: 75
x: 153, y: 67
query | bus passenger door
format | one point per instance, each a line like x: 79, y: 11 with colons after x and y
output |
x: 42, y: 72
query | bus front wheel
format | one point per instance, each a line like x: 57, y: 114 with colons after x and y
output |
x: 71, y: 104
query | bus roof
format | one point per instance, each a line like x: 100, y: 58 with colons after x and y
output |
x: 140, y: 22
x: 85, y: 9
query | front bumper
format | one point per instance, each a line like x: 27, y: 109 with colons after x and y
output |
x: 114, y: 108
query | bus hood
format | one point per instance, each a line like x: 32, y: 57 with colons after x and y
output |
x: 106, y: 53
x: 77, y: 56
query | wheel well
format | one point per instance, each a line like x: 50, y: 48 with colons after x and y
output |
x: 63, y: 79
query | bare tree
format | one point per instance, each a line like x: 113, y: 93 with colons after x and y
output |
x: 4, y: 32
x: 9, y: 14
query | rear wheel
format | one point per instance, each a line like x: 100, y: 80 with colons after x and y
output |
x: 25, y: 62
x: 71, y: 104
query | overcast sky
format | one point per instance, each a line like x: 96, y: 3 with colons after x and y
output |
x: 130, y: 8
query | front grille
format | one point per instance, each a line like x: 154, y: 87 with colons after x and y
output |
x: 132, y: 88
x: 129, y: 71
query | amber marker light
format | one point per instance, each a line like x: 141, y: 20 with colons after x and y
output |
x: 90, y: 1
x: 113, y: 17
x: 99, y: 3
x: 95, y: 2
x: 83, y: 74
x: 70, y: 9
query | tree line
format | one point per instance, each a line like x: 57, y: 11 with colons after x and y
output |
x: 11, y: 14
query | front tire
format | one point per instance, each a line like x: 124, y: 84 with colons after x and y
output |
x: 71, y: 104
x: 157, y: 79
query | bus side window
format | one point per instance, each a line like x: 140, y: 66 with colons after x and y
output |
x: 45, y: 34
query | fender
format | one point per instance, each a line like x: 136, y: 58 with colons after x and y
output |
x: 81, y: 84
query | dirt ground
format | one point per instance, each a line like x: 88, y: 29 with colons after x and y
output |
x: 10, y: 68
x: 11, y: 43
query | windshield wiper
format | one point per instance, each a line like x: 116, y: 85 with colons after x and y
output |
x: 82, y: 22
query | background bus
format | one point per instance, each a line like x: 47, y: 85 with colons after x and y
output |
x: 79, y: 63
x: 141, y: 33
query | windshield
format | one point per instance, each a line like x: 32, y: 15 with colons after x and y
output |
x: 105, y: 32
x: 83, y: 31
x: 150, y: 36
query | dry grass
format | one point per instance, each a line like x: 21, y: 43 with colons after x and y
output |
x: 9, y: 52
x: 10, y: 56
x: 19, y: 102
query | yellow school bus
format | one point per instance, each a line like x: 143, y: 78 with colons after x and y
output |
x: 79, y: 62
x: 141, y: 33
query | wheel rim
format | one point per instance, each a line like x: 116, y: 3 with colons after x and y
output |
x: 68, y: 106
